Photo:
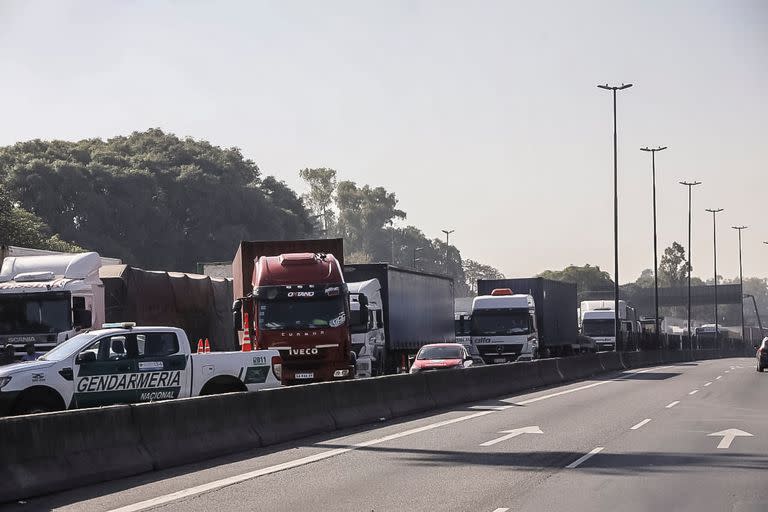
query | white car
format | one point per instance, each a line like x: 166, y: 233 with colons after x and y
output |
x: 128, y: 364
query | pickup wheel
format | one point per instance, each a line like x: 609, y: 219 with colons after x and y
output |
x: 38, y: 400
x: 219, y: 385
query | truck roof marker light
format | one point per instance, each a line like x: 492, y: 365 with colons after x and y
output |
x: 497, y: 292
x: 301, y: 258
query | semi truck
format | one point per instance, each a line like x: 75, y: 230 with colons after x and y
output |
x: 406, y: 309
x: 122, y: 363
x: 526, y: 318
x: 291, y: 296
x: 598, y: 322
x: 47, y: 299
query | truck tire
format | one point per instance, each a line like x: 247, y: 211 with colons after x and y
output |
x: 219, y: 385
x: 38, y: 400
x: 759, y: 368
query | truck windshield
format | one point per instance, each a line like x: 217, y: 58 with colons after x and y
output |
x: 309, y: 314
x: 34, y: 315
x: 499, y: 323
x: 603, y: 327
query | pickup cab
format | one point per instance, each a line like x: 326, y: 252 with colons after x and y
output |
x: 128, y: 364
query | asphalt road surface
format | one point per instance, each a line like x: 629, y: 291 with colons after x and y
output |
x: 685, y: 437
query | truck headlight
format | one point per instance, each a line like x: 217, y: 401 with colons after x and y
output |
x: 4, y: 381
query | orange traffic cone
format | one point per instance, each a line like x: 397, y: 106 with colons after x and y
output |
x: 207, y: 345
x: 246, y: 346
x: 200, y: 347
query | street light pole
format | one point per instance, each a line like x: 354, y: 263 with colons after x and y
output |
x: 655, y: 244
x: 741, y: 281
x: 690, y: 185
x: 714, y: 212
x: 447, y: 247
x: 757, y: 313
x: 616, y: 325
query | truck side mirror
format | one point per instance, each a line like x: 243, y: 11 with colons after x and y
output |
x: 237, y: 314
x: 82, y: 318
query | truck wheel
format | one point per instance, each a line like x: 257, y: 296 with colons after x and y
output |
x: 759, y: 368
x: 219, y: 385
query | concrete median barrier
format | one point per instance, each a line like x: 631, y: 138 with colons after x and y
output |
x: 45, y: 453
x: 357, y: 402
x: 405, y: 394
x: 549, y: 372
x: 449, y: 387
x: 203, y: 428
x: 632, y: 359
x: 610, y: 361
x: 579, y: 367
x: 288, y: 413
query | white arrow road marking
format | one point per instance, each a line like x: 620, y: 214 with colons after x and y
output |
x: 580, y: 460
x: 513, y: 433
x: 728, y: 436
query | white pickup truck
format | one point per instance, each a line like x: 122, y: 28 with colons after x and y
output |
x: 128, y: 364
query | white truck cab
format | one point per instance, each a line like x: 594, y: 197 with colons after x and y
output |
x: 368, y: 338
x: 127, y: 364
x: 48, y: 299
x: 503, y: 327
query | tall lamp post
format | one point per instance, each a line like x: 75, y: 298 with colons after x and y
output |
x: 690, y: 185
x: 447, y: 247
x: 655, y: 248
x: 741, y: 281
x: 714, y: 213
x: 616, y: 324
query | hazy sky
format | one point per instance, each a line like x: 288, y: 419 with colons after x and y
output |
x: 481, y: 116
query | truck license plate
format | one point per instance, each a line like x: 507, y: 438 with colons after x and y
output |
x: 500, y: 360
x: 305, y: 375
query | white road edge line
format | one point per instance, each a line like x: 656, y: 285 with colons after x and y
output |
x: 226, y: 482
x: 645, y: 421
x: 693, y: 392
x: 580, y: 460
x: 669, y: 406
x: 707, y: 384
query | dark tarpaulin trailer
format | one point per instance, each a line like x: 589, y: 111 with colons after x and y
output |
x: 198, y: 304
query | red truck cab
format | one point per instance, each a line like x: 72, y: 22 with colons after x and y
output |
x: 300, y: 306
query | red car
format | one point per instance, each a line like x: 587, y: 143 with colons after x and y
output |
x: 441, y: 356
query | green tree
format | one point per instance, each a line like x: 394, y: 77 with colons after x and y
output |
x: 587, y: 278
x: 474, y: 271
x: 151, y: 199
x: 319, y: 199
x: 673, y: 268
x: 22, y: 228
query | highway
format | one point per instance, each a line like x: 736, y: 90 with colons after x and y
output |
x: 681, y: 437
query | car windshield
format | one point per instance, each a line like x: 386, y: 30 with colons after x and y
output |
x: 499, y: 323
x: 68, y: 348
x: 35, y: 315
x: 440, y: 353
x: 603, y: 327
x: 304, y: 314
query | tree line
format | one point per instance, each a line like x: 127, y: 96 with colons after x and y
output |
x: 158, y: 201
